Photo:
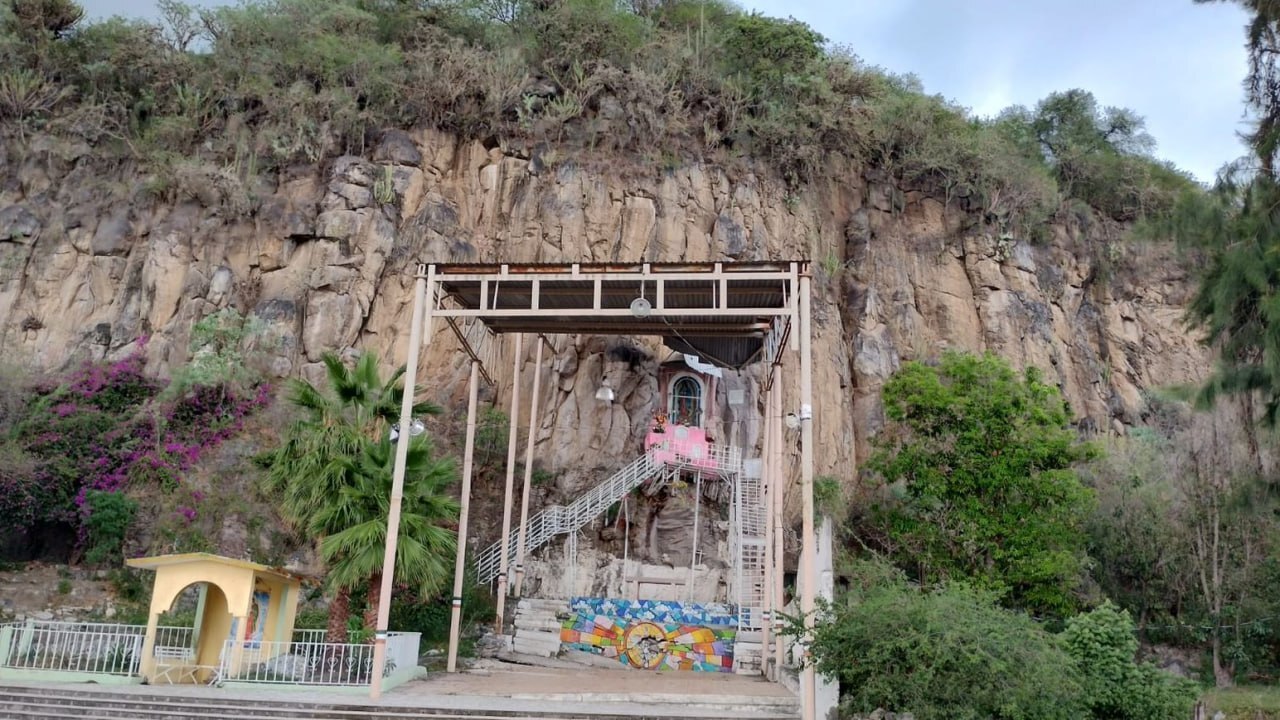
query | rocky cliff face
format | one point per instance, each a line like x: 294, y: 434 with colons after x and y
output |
x: 89, y: 262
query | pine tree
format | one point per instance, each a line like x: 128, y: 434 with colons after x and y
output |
x: 1236, y: 226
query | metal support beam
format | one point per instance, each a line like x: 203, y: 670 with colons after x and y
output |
x: 528, y: 466
x: 809, y: 691
x: 460, y: 561
x: 769, y: 483
x: 425, y: 280
x: 510, y: 483
x: 693, y: 553
x: 779, y: 500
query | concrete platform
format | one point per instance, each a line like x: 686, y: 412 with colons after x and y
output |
x: 496, y: 691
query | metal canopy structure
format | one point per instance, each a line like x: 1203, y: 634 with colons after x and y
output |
x: 729, y: 314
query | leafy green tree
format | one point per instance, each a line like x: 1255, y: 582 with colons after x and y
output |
x: 981, y: 460
x: 1140, y: 559
x: 1101, y: 155
x: 332, y: 474
x: 1183, y: 534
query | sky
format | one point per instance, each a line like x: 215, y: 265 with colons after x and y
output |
x: 1178, y: 64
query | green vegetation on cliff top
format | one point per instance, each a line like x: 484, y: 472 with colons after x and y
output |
x: 252, y: 88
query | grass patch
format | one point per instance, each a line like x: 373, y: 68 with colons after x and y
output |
x: 1247, y: 702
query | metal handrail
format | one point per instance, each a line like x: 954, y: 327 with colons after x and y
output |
x: 560, y: 519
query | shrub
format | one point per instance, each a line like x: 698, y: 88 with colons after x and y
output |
x: 1103, y: 645
x: 411, y: 612
x: 770, y: 52
x: 78, y: 444
x: 20, y: 490
x: 948, y: 654
x: 492, y: 431
x: 108, y: 516
x: 582, y: 32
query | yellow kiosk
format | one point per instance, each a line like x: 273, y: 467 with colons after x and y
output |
x: 244, y: 610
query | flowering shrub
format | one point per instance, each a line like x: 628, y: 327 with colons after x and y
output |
x: 108, y: 427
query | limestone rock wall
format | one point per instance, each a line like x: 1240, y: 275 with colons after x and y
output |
x: 89, y: 261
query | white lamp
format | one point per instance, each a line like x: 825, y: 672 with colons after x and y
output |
x: 792, y: 421
x: 416, y: 428
x: 605, y: 393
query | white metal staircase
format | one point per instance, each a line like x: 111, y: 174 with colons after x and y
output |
x: 748, y: 550
x: 559, y: 519
x: 663, y: 462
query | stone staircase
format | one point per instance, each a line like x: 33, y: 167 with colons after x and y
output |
x: 537, y: 626
x: 748, y: 653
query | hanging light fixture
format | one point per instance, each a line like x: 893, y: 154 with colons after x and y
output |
x: 416, y: 428
x: 605, y: 393
x: 792, y: 421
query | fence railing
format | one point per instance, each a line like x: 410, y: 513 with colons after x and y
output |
x: 112, y: 649
x: 314, y: 663
x: 310, y: 636
x: 99, y: 648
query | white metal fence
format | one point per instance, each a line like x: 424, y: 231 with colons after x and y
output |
x: 314, y: 663
x: 310, y: 636
x: 112, y: 649
x: 99, y: 648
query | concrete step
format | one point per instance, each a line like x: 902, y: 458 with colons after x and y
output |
x: 528, y: 618
x: 63, y: 703
x: 546, y: 636
x: 542, y: 604
x: 106, y: 705
x: 540, y: 648
x: 539, y: 624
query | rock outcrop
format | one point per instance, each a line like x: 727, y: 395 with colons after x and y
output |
x: 89, y: 262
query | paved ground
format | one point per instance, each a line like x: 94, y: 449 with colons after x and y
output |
x: 506, y: 687
x: 507, y: 680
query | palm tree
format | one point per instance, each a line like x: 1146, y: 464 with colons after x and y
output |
x: 426, y: 545
x: 328, y: 450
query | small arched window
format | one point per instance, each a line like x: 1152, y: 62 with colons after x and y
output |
x: 686, y: 401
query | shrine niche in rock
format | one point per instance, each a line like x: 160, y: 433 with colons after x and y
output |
x: 673, y: 559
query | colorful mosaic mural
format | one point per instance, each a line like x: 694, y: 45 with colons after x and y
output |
x: 653, y: 634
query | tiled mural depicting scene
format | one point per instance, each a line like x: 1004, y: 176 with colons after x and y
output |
x: 653, y: 634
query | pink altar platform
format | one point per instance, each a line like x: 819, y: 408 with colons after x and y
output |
x: 682, y: 444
